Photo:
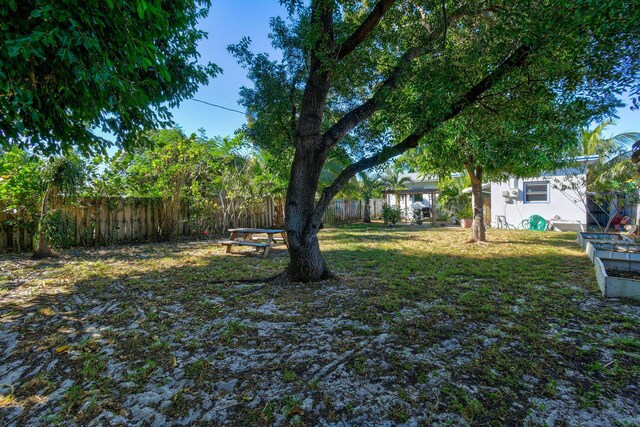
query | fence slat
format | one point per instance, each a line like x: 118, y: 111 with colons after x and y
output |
x: 111, y: 220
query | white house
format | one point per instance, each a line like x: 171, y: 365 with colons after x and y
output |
x: 420, y: 193
x: 561, y: 194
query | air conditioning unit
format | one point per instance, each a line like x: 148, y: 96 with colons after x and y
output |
x: 511, y: 193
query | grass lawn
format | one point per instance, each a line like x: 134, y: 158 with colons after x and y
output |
x: 422, y: 329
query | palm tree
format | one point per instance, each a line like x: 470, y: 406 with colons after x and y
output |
x: 610, y: 151
x: 368, y: 185
x: 60, y: 177
x: 614, y: 160
x: 392, y: 180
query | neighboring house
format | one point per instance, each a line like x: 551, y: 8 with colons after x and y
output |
x: 515, y: 200
x: 559, y: 194
x: 419, y: 192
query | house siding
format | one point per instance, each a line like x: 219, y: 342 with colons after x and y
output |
x: 568, y: 204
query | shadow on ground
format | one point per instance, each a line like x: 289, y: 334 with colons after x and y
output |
x: 421, y: 329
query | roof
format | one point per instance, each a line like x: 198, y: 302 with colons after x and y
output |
x: 486, y: 188
x: 586, y: 159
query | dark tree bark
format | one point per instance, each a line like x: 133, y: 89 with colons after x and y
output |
x: 366, y: 216
x: 478, y: 229
x: 306, y: 262
x: 43, y: 250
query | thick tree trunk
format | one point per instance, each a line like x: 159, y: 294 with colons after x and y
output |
x: 43, y: 250
x: 306, y: 264
x: 366, y: 217
x: 478, y: 229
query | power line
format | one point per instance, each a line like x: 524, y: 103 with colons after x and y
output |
x: 220, y: 106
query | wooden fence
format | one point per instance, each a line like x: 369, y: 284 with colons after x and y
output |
x: 351, y: 210
x: 110, y: 220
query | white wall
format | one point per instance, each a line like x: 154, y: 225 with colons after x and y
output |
x: 407, y: 213
x: 567, y: 204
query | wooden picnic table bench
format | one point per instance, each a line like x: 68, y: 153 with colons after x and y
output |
x: 245, y: 237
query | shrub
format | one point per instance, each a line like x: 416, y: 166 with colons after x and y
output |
x: 59, y: 228
x: 390, y: 214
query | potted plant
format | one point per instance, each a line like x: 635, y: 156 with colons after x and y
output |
x: 466, y: 217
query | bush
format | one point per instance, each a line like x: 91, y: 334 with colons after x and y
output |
x: 390, y: 214
x: 59, y: 228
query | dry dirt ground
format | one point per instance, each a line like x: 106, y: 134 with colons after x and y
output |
x: 420, y: 330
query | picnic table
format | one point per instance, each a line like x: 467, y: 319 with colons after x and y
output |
x: 246, y: 237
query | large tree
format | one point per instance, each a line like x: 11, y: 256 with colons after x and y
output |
x: 354, y: 70
x: 69, y: 68
x: 523, y: 134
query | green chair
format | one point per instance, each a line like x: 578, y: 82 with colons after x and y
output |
x: 537, y: 223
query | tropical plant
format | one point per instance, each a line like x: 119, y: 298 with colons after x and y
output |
x: 369, y: 186
x: 466, y: 212
x: 610, y: 151
x: 593, y: 142
x: 451, y: 196
x: 393, y: 180
x: 390, y: 214
x: 61, y: 178
x: 19, y: 189
x: 617, y: 187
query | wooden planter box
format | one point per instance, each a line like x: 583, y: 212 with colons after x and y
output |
x: 616, y: 249
x: 617, y: 287
x: 583, y: 238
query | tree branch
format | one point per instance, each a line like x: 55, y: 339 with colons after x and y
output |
x: 365, y: 110
x: 363, y: 31
x: 514, y: 60
x: 362, y: 112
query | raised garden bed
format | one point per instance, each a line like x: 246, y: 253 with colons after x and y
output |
x: 611, y: 272
x: 615, y: 249
x: 584, y: 238
x: 618, y: 278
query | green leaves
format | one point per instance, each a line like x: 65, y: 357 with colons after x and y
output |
x: 70, y: 68
x: 141, y: 7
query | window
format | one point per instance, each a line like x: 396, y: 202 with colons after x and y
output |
x: 418, y: 198
x: 536, y: 192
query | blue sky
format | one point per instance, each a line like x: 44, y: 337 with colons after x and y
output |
x: 227, y: 23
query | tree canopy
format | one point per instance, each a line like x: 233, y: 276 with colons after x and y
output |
x: 70, y: 68
x: 376, y: 79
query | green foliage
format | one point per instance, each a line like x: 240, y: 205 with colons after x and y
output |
x: 62, y: 176
x: 451, y: 197
x: 506, y: 85
x: 593, y: 142
x: 465, y: 212
x: 59, y: 228
x: 613, y: 155
x: 417, y: 216
x: 69, y: 68
x: 20, y: 188
x: 390, y: 214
